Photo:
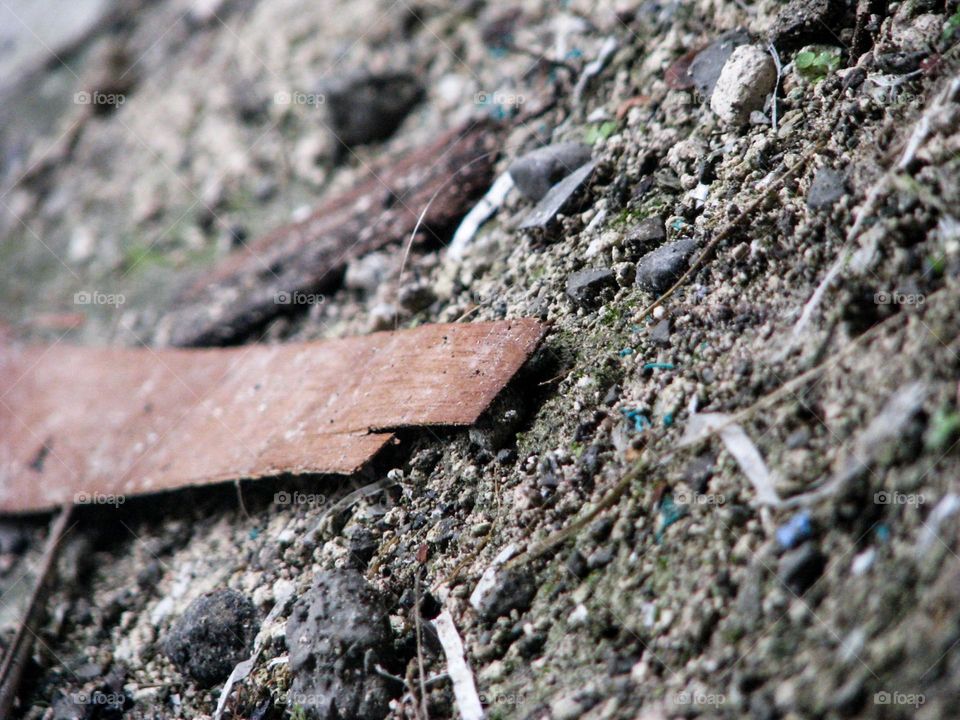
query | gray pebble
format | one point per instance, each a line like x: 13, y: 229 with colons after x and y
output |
x: 827, y: 187
x: 705, y: 68
x: 585, y: 287
x: 365, y: 108
x: 538, y: 171
x: 658, y: 270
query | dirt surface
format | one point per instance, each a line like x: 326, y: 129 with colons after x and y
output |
x: 799, y: 560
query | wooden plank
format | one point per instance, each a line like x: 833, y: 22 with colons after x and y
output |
x: 100, y: 422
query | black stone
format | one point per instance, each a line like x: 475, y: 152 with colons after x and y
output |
x: 368, y: 108
x: 660, y: 269
x: 212, y: 636
x: 800, y: 568
x: 807, y: 21
x: 585, y: 287
x: 336, y: 633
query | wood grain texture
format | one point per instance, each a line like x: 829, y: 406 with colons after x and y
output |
x: 78, y: 421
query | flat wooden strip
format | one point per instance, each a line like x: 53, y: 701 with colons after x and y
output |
x: 110, y: 421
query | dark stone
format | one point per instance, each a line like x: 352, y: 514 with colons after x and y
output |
x: 899, y: 63
x: 827, y: 187
x: 576, y: 564
x: 560, y: 195
x: 13, y: 538
x: 660, y: 333
x: 585, y: 287
x: 336, y: 633
x: 800, y: 568
x: 514, y: 590
x: 368, y: 108
x: 648, y: 235
x: 538, y: 171
x: 807, y: 21
x: 660, y: 269
x: 705, y: 68
x: 212, y: 636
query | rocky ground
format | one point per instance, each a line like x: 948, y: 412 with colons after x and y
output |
x: 741, y: 502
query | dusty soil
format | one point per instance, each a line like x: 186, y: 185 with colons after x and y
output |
x: 686, y: 581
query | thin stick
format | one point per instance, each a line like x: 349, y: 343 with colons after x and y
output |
x: 19, y: 651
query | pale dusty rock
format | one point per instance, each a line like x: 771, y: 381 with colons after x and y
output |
x: 745, y: 81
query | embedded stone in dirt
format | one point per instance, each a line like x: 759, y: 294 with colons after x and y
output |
x: 513, y: 589
x: 538, y: 171
x: 212, y: 636
x: 827, y: 187
x: 368, y: 108
x: 336, y: 633
x: 585, y: 287
x: 803, y: 21
x: 648, y: 235
x: 658, y: 270
x: 744, y: 83
x: 799, y: 569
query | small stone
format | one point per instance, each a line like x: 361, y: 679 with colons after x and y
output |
x: 336, y: 633
x: 658, y: 270
x: 744, y: 83
x: 212, y: 636
x: 560, y: 195
x: 538, y: 171
x: 706, y: 67
x: 625, y: 273
x: 600, y: 558
x: 366, y: 108
x: 660, y: 333
x: 648, y: 235
x: 513, y: 589
x: 800, y: 568
x: 585, y: 287
x: 805, y: 21
x: 827, y: 187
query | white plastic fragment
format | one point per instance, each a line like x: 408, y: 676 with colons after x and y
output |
x: 464, y: 686
x: 481, y: 212
x: 738, y: 444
